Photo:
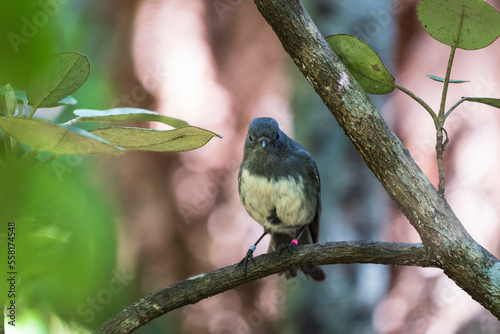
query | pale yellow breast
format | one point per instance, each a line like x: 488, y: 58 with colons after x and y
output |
x: 286, y: 195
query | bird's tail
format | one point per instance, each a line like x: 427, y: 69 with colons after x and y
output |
x: 313, y: 272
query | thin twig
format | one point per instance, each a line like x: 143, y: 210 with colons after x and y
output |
x: 421, y: 102
x: 32, y: 112
x: 447, y: 139
x: 441, y: 116
x: 463, y: 99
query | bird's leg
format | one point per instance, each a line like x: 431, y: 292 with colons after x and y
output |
x: 295, y: 241
x: 249, y: 255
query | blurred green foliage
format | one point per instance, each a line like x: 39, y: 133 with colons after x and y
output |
x: 32, y: 30
x: 28, y: 34
x: 65, y: 234
x: 64, y: 239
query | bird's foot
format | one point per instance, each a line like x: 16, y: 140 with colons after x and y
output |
x: 291, y: 246
x: 248, y: 257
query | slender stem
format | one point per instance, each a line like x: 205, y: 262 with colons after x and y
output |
x: 32, y: 112
x: 446, y: 140
x: 447, y: 77
x: 420, y: 101
x: 439, y: 153
x: 463, y: 99
x: 440, y: 146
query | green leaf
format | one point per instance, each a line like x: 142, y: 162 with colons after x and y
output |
x: 363, y: 63
x: 22, y: 98
x: 439, y: 79
x: 20, y: 95
x: 126, y: 114
x: 178, y: 140
x: 49, y: 137
x: 485, y: 100
x: 441, y: 18
x: 63, y: 75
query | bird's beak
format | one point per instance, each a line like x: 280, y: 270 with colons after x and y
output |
x: 264, y: 142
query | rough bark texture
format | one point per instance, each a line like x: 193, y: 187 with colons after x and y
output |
x: 196, y: 288
x: 445, y: 242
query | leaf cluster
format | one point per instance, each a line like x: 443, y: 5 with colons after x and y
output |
x: 64, y: 74
x: 464, y: 24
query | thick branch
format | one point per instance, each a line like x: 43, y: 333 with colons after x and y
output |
x: 196, y: 288
x: 443, y: 236
x: 446, y: 241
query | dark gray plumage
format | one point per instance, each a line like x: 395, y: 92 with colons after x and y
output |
x: 279, y: 187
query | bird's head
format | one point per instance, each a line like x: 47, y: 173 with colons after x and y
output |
x: 264, y: 134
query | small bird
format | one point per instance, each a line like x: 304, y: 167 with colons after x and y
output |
x: 279, y: 186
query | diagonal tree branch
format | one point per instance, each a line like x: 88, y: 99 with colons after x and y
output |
x: 196, y: 288
x: 444, y: 238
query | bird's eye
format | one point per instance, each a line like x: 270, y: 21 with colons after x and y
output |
x: 250, y: 138
x: 277, y: 136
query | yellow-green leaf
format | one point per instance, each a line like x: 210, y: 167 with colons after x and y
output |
x: 441, y: 18
x: 10, y: 99
x: 363, y: 63
x: 63, y: 75
x: 49, y: 137
x: 439, y: 79
x: 21, y: 97
x: 126, y: 114
x: 485, y: 100
x: 178, y: 140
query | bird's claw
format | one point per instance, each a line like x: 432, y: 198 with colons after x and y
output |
x: 280, y: 247
x: 291, y: 246
x: 248, y: 257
